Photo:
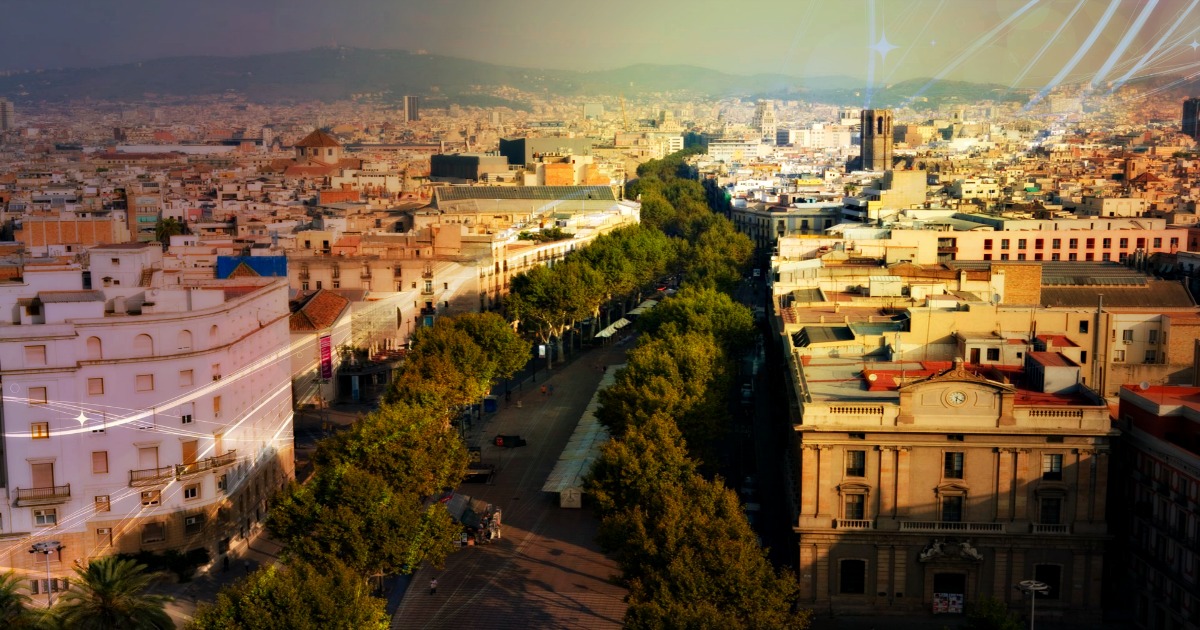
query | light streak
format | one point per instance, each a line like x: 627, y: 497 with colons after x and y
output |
x: 1130, y: 33
x: 1101, y: 24
x: 1153, y: 49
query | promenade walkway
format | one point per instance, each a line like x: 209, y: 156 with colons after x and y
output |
x: 546, y: 571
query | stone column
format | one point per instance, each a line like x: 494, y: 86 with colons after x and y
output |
x: 825, y: 482
x: 1000, y: 580
x: 808, y: 571
x: 1078, y: 580
x: 887, y: 482
x: 1004, y: 484
x: 808, y: 480
x: 883, y: 566
x: 1021, y: 485
x: 1083, y: 484
x: 902, y: 481
x: 1100, y: 488
x: 821, y: 574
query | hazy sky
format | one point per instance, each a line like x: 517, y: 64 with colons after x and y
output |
x: 1026, y: 42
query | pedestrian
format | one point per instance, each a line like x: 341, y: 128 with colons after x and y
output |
x: 551, y: 390
x: 433, y: 586
x: 543, y: 390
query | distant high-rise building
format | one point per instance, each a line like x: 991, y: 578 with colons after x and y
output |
x: 876, y: 139
x: 764, y: 119
x: 412, y: 112
x: 7, y: 115
x: 1191, y: 117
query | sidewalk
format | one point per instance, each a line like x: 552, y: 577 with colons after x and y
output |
x: 244, y: 557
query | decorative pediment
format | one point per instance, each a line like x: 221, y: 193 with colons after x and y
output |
x: 854, y: 487
x: 951, y: 488
x: 950, y: 549
x: 958, y: 373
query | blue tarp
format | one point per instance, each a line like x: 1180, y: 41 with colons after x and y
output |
x: 266, y: 266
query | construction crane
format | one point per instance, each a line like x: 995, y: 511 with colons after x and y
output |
x: 624, y: 120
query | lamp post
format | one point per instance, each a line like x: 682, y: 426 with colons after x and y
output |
x: 47, y: 547
x: 1032, y: 587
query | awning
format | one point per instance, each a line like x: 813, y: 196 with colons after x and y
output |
x: 617, y: 325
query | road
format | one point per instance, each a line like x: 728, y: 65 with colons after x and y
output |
x: 546, y: 571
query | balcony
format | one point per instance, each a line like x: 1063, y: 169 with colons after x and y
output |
x: 952, y: 527
x: 853, y: 523
x: 205, y: 465
x: 151, y: 476
x: 1051, y: 529
x: 43, y: 496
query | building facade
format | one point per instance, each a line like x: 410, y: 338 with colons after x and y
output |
x: 925, y: 487
x: 146, y: 414
x: 876, y: 139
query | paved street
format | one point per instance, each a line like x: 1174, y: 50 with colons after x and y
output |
x: 546, y: 571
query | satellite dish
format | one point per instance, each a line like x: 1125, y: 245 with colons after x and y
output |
x: 1144, y: 385
x: 872, y: 377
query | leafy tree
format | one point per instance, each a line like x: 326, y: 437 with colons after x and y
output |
x: 502, y: 346
x: 109, y: 594
x: 990, y: 613
x: 549, y: 301
x: 15, y: 612
x: 703, y: 310
x: 629, y: 470
x: 719, y: 255
x: 297, y: 596
x: 349, y: 514
x: 681, y: 376
x: 444, y: 369
x: 410, y: 448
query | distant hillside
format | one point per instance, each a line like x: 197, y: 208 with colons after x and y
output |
x: 336, y: 73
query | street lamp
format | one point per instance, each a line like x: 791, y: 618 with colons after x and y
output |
x: 1032, y: 587
x: 47, y: 547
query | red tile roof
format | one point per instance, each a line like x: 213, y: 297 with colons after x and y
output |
x: 318, y: 312
x: 318, y: 138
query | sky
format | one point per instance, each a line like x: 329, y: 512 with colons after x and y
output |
x: 1021, y: 43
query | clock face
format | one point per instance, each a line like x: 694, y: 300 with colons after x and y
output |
x: 956, y: 398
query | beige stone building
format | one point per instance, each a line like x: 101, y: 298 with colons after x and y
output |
x: 925, y: 486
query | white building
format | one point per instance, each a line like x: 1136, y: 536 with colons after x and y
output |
x: 145, y: 413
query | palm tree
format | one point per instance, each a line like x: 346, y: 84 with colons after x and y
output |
x: 110, y: 595
x: 14, y: 605
x: 166, y: 228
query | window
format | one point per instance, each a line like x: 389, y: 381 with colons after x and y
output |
x: 952, y: 508
x: 1003, y: 243
x: 1003, y: 256
x: 99, y: 462
x: 144, y: 383
x: 953, y: 468
x: 852, y: 577
x: 185, y: 378
x: 216, y: 371
x: 1054, y: 256
x: 103, y: 503
x: 1123, y: 243
x: 1151, y: 356
x: 856, y: 463
x: 304, y: 286
x: 1021, y: 243
x: 143, y: 346
x: 1072, y: 257
x: 1140, y: 243
x: 104, y: 536
x: 854, y: 435
x: 318, y: 285
x: 193, y: 524
x: 216, y: 406
x: 37, y: 395
x: 1073, y: 243
x: 39, y: 430
x: 191, y: 491
x: 1152, y: 336
x: 1091, y: 243
x: 185, y: 340
x: 1083, y: 326
x: 855, y: 507
x: 1106, y: 243
x: 1156, y: 243
x: 185, y: 418
x: 1174, y: 243
x: 1039, y: 243
x: 987, y: 243
x: 95, y: 386
x: 1050, y: 575
x: 151, y: 497
x: 1056, y: 243
x: 1127, y: 336
x: 45, y: 517
x: 1118, y: 356
x: 223, y: 483
x: 35, y: 355
x: 153, y: 532
x: 94, y: 352
x: 993, y: 354
x: 1052, y: 467
x: 1050, y: 510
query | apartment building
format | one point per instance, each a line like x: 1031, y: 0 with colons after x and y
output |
x: 140, y: 412
x: 1159, y: 529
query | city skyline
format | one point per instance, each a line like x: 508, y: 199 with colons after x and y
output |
x: 1022, y: 43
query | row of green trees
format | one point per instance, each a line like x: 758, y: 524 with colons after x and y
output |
x: 368, y: 509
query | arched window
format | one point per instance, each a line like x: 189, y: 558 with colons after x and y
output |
x: 94, y: 352
x: 214, y: 336
x: 185, y: 340
x: 143, y: 346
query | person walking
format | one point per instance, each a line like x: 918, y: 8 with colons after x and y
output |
x: 433, y: 586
